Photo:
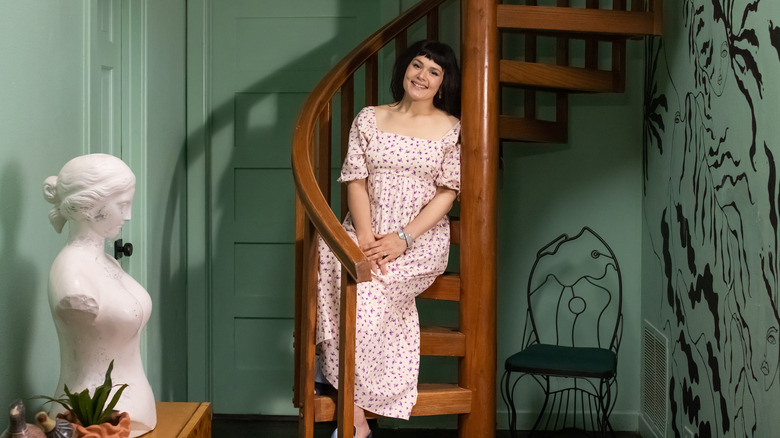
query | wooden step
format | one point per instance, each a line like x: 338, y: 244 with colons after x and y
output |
x: 577, y: 20
x: 432, y: 399
x: 572, y: 79
x: 455, y: 231
x: 445, y: 287
x: 531, y: 130
x: 441, y: 341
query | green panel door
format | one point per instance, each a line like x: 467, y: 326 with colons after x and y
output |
x: 115, y: 112
x: 105, y: 77
x: 263, y: 58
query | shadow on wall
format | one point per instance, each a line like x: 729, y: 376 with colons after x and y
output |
x: 19, y: 283
x: 198, y: 148
x: 242, y: 146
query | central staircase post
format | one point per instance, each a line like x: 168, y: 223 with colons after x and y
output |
x: 479, y: 172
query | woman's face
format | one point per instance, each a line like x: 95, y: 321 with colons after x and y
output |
x: 422, y: 79
x: 712, y: 46
x: 766, y: 345
x: 109, y: 216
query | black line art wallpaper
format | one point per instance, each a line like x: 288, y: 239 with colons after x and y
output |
x: 712, y: 200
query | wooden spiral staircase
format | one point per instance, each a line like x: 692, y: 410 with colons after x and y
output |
x: 484, y: 24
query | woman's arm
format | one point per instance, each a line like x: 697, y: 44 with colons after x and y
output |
x: 360, y: 210
x: 431, y: 213
x: 389, y: 247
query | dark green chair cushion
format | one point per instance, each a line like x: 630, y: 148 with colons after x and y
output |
x: 555, y: 360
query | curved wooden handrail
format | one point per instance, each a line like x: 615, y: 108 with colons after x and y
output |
x: 311, y: 197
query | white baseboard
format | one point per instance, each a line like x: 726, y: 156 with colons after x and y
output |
x: 621, y: 421
x: 646, y: 430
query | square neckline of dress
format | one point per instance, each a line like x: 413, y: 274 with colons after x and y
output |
x: 380, y: 131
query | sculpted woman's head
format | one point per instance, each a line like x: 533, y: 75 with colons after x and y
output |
x: 93, y: 188
x: 448, y: 96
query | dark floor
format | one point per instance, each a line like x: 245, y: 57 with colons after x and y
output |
x: 287, y: 427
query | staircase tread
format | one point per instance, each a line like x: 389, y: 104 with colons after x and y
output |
x: 442, y: 341
x: 432, y: 399
x: 438, y: 329
x: 455, y: 231
x: 576, y: 20
x: 560, y: 77
x: 445, y: 287
x: 515, y: 128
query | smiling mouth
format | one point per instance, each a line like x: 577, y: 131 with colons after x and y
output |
x: 422, y: 87
x: 765, y: 368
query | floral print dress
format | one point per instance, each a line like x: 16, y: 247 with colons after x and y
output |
x: 402, y: 176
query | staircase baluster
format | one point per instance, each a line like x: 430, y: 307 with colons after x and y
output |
x: 401, y: 43
x: 529, y: 94
x: 347, y: 329
x: 372, y: 80
x: 432, y: 24
x: 347, y: 112
x: 324, y: 151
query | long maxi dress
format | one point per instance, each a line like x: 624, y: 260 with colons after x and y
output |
x: 402, y: 174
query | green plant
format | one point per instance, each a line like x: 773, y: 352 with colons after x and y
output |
x: 88, y: 409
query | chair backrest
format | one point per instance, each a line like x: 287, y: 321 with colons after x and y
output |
x: 575, y: 293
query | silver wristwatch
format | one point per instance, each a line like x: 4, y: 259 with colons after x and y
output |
x: 406, y: 237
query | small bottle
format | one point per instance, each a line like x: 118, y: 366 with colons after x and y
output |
x: 54, y: 428
x: 17, y: 427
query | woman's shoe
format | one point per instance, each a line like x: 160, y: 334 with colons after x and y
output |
x: 336, y: 433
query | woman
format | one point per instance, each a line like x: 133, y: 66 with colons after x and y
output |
x: 402, y: 172
x: 98, y: 309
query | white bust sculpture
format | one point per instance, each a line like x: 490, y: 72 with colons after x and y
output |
x: 98, y: 309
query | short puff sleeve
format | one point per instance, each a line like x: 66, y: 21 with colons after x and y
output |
x: 360, y: 135
x: 450, y: 168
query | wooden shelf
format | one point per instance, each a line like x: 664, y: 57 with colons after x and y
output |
x: 182, y: 420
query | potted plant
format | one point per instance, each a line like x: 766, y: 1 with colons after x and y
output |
x: 90, y: 415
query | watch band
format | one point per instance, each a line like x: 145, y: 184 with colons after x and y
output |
x: 406, y: 237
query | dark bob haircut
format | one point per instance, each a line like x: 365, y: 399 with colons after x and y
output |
x: 441, y: 54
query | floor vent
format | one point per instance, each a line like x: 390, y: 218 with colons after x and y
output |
x: 654, y: 379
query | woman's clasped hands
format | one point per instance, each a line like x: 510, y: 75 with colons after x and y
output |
x: 382, y: 249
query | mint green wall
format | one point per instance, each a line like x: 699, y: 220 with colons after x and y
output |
x: 711, y: 274
x: 545, y: 190
x: 594, y: 179
x: 166, y: 193
x: 42, y: 126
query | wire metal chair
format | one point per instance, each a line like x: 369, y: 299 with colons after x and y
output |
x: 572, y: 335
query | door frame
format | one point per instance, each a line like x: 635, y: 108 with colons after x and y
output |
x: 134, y: 138
x: 199, y: 385
x: 133, y: 117
x: 133, y: 121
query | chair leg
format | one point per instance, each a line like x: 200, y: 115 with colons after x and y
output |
x: 544, y: 405
x: 508, y: 395
x: 605, y: 405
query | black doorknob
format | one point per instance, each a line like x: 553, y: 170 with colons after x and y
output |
x: 121, y: 250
